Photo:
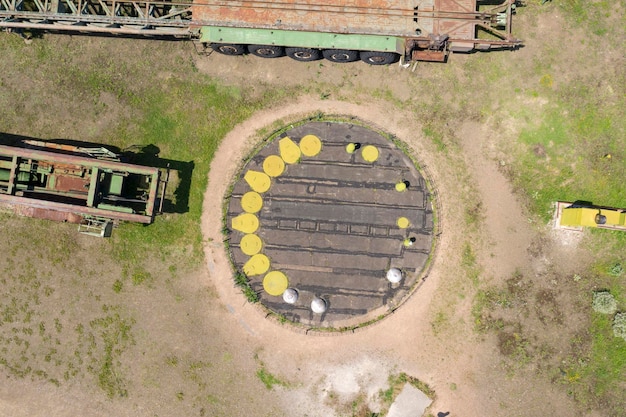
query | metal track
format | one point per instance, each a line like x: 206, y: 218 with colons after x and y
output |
x: 146, y: 18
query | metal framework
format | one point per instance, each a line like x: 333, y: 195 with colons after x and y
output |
x: 174, y: 18
x: 71, y: 188
x: 422, y: 30
x: 128, y: 17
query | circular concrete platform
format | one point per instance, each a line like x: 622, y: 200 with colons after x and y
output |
x: 333, y: 221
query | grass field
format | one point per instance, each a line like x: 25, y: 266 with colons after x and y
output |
x: 69, y: 307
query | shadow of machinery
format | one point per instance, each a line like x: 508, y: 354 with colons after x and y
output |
x: 149, y: 156
x: 174, y: 202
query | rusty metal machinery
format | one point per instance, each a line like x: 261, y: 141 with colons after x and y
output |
x: 303, y: 29
x: 76, y: 188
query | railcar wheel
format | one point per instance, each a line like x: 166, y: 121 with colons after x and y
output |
x: 266, y: 51
x: 303, y: 54
x: 229, y: 48
x: 378, y: 58
x: 340, y: 55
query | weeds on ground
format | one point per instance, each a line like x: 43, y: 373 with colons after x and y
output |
x: 268, y: 379
x: 619, y: 325
x: 397, y: 383
x: 594, y: 17
x: 469, y: 264
x: 241, y: 280
x: 115, y: 331
x: 575, y: 153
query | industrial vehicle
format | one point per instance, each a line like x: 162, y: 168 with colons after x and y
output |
x: 378, y: 32
x: 78, y: 185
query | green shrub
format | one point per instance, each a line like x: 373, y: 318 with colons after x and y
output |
x: 619, y: 325
x: 241, y: 280
x: 604, y: 302
x: 616, y: 270
x: 117, y: 286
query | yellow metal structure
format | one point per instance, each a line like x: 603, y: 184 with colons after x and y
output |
x: 257, y: 265
x: 246, y: 223
x: 573, y: 215
x: 400, y: 186
x: 403, y: 222
x: 251, y: 244
x: 289, y: 151
x: 310, y: 145
x: 251, y: 202
x: 275, y: 283
x: 370, y: 153
x: 258, y: 181
x: 274, y: 165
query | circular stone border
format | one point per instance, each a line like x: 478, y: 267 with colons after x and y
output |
x: 292, y: 155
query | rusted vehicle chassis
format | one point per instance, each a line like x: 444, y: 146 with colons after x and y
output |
x: 72, y: 188
x: 302, y: 29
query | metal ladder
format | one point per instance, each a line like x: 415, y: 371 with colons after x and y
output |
x: 94, y: 226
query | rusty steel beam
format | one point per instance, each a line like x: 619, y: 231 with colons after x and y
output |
x: 26, y: 202
x: 75, y: 160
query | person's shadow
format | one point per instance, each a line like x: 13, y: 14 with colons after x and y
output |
x: 442, y: 414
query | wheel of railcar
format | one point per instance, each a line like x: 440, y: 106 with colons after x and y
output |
x: 303, y: 54
x: 340, y: 55
x: 266, y: 51
x: 378, y: 58
x: 228, y: 48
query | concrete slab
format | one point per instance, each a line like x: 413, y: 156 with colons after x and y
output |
x: 329, y: 222
x: 411, y: 402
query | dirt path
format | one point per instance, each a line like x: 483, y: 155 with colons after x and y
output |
x: 462, y: 370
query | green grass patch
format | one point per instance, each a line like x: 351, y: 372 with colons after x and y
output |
x: 436, y: 136
x: 575, y: 153
x: 602, y: 377
x: 469, y: 264
x: 116, y: 336
x: 593, y: 15
x: 268, y: 379
x: 483, y: 304
x: 595, y: 378
x: 140, y: 275
x: 186, y: 120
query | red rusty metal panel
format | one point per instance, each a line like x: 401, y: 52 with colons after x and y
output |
x: 449, y: 22
x: 48, y: 214
x: 431, y: 56
x: 69, y: 183
x: 70, y: 208
x: 467, y: 6
x: 390, y: 17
